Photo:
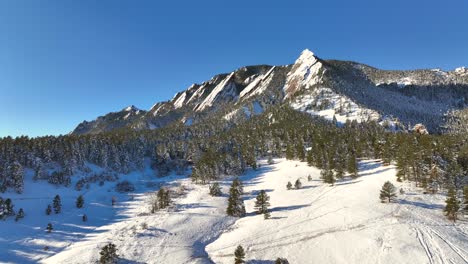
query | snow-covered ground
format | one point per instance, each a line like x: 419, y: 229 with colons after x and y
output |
x: 345, y: 223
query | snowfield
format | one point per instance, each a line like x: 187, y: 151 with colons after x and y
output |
x: 318, y: 223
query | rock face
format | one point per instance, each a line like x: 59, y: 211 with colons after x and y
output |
x: 336, y: 90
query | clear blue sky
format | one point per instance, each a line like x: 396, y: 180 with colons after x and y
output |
x: 62, y: 62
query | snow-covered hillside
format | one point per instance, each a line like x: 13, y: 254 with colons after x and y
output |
x: 318, y: 223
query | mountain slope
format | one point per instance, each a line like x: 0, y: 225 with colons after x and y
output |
x: 346, y: 90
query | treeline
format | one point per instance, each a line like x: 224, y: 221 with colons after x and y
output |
x: 217, y: 147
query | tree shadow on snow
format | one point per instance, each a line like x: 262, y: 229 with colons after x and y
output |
x: 421, y: 204
x: 258, y: 261
x: 127, y: 261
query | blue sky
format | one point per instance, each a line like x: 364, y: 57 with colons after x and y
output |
x: 62, y: 62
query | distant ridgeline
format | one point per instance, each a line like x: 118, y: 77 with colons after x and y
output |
x: 328, y: 113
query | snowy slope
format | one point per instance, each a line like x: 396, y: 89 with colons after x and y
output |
x: 345, y: 223
x: 319, y: 223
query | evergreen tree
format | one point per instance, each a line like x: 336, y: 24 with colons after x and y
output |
x: 452, y: 205
x: 49, y: 228
x: 235, y: 203
x: 388, y: 192
x: 8, y: 207
x: 17, y: 175
x: 262, y: 203
x: 270, y: 160
x: 298, y: 184
x: 239, y: 255
x: 84, y: 218
x: 57, y: 204
x: 108, y: 254
x: 289, y: 185
x: 289, y: 152
x: 309, y: 178
x: 164, y: 199
x: 48, y: 209
x: 79, y: 201
x: 281, y: 261
x: 310, y: 158
x: 352, y: 167
x: 328, y: 176
x: 215, y: 189
x: 19, y: 215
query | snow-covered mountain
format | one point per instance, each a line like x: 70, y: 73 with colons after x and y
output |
x: 340, y: 90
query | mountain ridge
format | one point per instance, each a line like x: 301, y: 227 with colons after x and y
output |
x: 328, y: 88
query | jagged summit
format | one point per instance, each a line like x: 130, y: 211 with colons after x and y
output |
x: 329, y: 88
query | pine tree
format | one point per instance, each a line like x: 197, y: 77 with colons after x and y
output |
x: 328, y: 176
x: 235, y: 203
x: 84, y: 218
x: 108, y: 254
x: 281, y: 261
x: 298, y: 184
x: 309, y: 178
x: 289, y: 185
x: 79, y: 201
x: 215, y: 189
x: 48, y: 209
x: 163, y: 198
x: 239, y: 255
x: 352, y: 167
x: 49, y: 228
x: 57, y: 204
x: 19, y: 215
x: 388, y: 192
x: 17, y: 175
x: 289, y: 152
x: 452, y: 205
x: 270, y: 160
x: 8, y: 207
x: 262, y: 203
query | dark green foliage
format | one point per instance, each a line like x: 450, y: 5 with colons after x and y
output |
x: 48, y: 209
x: 57, y: 204
x: 19, y: 215
x: 452, y: 205
x: 163, y: 197
x: 79, y: 201
x: 352, y: 167
x: 49, y: 228
x: 215, y: 189
x: 328, y: 176
x: 298, y: 184
x: 239, y: 255
x: 108, y: 254
x: 262, y: 203
x: 281, y: 261
x: 235, y: 203
x: 388, y: 192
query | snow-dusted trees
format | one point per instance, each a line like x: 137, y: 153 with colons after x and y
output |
x: 6, y: 208
x: 17, y: 175
x: 452, y: 205
x: 164, y: 199
x: 262, y: 203
x: 108, y: 254
x: 19, y: 215
x: 48, y: 210
x: 49, y: 228
x: 57, y: 204
x: 328, y: 176
x: 215, y: 189
x: 239, y: 255
x: 465, y: 200
x: 79, y: 201
x: 388, y: 192
x: 298, y: 184
x: 235, y: 203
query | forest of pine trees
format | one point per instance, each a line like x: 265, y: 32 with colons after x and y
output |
x: 218, y: 147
